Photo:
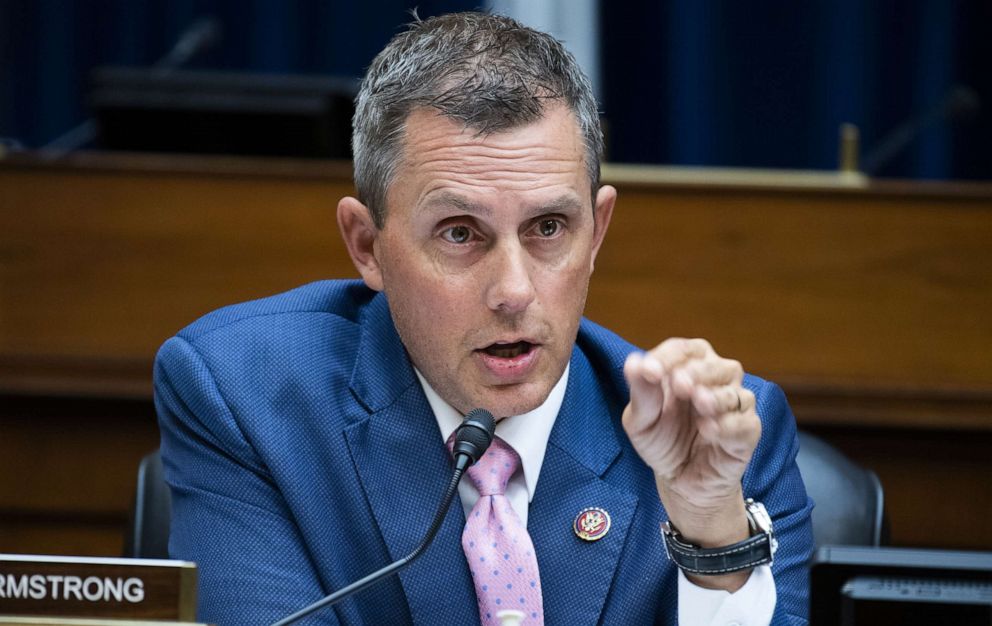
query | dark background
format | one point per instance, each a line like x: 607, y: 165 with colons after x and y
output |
x: 693, y: 82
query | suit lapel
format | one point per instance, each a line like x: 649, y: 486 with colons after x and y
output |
x: 576, y: 575
x: 404, y: 467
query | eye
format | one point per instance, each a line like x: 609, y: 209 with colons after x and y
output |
x: 549, y: 227
x: 457, y: 234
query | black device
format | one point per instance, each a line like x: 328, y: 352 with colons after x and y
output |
x: 472, y: 438
x: 858, y: 586
x: 201, y: 112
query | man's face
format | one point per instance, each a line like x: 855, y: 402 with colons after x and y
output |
x: 486, y: 254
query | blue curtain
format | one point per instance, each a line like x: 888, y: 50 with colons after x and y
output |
x: 767, y: 84
x: 48, y: 47
x: 696, y: 82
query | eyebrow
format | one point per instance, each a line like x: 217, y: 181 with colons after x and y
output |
x: 562, y: 203
x: 452, y: 200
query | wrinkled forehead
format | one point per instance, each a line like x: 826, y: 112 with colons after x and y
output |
x: 555, y: 135
x: 437, y: 150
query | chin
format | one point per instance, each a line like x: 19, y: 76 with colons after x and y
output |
x: 516, y: 403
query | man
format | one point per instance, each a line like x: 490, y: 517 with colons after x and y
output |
x: 304, y: 435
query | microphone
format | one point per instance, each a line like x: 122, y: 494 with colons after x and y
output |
x: 959, y: 104
x: 202, y: 35
x: 472, y: 438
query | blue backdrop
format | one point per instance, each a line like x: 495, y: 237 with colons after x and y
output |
x: 756, y: 84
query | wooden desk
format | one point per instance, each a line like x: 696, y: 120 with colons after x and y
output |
x: 869, y: 303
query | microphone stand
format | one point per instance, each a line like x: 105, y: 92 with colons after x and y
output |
x: 392, y: 568
x: 471, y: 441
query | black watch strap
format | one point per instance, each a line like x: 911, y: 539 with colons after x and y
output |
x: 759, y: 549
x: 742, y: 555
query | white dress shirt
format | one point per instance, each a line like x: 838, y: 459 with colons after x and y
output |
x: 751, y: 605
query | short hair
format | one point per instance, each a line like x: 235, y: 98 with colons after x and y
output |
x: 488, y: 71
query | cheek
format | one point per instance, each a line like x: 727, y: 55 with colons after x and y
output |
x: 564, y: 295
x: 567, y: 279
x: 430, y: 304
x: 572, y: 254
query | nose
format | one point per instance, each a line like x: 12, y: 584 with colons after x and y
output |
x: 511, y: 286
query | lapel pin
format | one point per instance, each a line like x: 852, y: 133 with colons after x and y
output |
x: 591, y: 524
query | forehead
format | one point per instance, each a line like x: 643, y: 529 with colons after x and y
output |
x: 547, y: 152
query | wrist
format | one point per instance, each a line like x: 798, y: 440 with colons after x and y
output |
x: 727, y: 582
x: 727, y: 566
x: 708, y: 522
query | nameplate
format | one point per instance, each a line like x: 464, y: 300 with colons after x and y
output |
x: 136, y: 589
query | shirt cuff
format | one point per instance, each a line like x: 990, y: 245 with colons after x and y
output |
x: 751, y: 605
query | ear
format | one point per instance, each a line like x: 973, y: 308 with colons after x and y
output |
x: 360, y: 234
x: 605, y: 199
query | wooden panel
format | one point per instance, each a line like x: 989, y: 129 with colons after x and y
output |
x: 108, y: 263
x: 833, y: 291
x: 77, y: 535
x: 827, y: 286
x: 870, y: 305
x: 49, y: 453
x: 68, y: 470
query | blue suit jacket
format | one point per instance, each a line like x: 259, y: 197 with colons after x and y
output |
x: 302, y: 455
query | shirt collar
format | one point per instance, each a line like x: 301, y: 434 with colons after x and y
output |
x: 527, y: 434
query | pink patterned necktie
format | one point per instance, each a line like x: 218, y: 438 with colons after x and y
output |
x: 499, y: 551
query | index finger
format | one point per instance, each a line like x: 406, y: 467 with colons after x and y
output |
x: 647, y: 394
x: 673, y: 352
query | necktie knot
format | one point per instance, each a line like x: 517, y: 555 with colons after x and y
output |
x: 491, y: 473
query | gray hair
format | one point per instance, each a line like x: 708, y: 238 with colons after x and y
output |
x: 488, y: 71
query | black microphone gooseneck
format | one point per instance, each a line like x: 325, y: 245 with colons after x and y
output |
x: 203, y: 34
x: 471, y: 441
x: 959, y: 104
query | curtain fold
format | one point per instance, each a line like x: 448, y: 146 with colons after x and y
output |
x: 694, y: 82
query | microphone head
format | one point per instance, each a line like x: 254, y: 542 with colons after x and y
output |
x: 207, y: 31
x: 474, y: 435
x: 203, y: 34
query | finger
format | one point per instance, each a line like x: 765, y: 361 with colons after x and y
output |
x: 672, y: 353
x: 736, y: 433
x: 714, y: 401
x: 645, y: 365
x: 717, y: 401
x: 647, y: 396
x: 710, y: 371
x: 748, y: 401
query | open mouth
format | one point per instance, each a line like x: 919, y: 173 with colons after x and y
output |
x: 508, y: 350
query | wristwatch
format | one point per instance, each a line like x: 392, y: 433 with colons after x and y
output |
x: 756, y: 550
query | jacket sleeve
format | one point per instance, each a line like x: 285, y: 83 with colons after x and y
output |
x: 773, y: 478
x: 227, y: 514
